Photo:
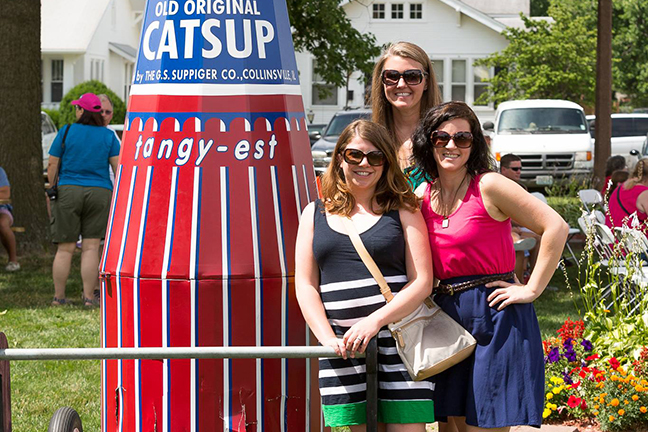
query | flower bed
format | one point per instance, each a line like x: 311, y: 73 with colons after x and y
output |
x: 581, y: 384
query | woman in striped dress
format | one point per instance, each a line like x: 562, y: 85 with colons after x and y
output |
x: 340, y: 300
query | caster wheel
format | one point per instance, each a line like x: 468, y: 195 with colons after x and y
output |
x: 65, y: 420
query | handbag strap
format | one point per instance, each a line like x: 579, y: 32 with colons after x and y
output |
x: 618, y: 192
x: 366, y: 259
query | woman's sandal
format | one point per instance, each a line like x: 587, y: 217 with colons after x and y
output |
x: 89, y: 303
x: 59, y: 302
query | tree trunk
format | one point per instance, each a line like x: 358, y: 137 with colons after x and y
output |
x: 603, y: 131
x: 20, y: 123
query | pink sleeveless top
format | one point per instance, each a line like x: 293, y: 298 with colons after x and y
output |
x: 628, y: 200
x: 473, y: 243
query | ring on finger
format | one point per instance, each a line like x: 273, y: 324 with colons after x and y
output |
x: 359, y: 339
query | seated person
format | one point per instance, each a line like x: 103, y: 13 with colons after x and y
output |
x: 511, y: 167
x: 7, y: 237
x: 613, y: 164
x: 630, y: 199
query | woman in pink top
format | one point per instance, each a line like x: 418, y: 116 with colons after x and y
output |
x: 630, y: 198
x: 468, y: 211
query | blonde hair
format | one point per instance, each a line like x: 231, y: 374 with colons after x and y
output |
x: 380, y: 106
x: 638, y: 173
x: 392, y: 190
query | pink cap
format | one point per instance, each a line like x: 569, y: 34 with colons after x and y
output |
x: 88, y: 101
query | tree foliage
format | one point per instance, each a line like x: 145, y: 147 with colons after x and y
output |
x: 323, y: 28
x: 548, y: 59
x: 630, y: 49
x: 66, y: 110
x: 539, y: 7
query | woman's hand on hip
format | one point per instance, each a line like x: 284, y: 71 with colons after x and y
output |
x: 509, y: 293
x: 358, y: 336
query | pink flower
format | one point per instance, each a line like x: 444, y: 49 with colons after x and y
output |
x: 573, y: 401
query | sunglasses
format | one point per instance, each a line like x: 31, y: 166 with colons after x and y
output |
x: 461, y: 139
x: 355, y: 157
x: 514, y: 168
x: 411, y: 77
x: 106, y: 112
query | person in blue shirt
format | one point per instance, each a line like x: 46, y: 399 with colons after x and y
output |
x: 81, y: 166
x: 7, y: 237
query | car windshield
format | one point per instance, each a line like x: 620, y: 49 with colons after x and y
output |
x: 339, y: 122
x: 542, y: 121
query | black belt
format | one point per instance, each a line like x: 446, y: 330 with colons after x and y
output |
x: 450, y: 289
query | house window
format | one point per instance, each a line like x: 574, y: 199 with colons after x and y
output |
x: 378, y: 11
x: 97, y: 69
x: 416, y: 11
x: 57, y: 80
x: 397, y: 10
x: 480, y: 75
x: 437, y: 67
x: 128, y: 79
x: 322, y: 92
x: 458, y: 80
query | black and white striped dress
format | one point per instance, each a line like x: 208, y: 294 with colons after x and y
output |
x: 349, y: 293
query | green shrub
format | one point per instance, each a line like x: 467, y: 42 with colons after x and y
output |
x: 567, y: 207
x: 67, y: 110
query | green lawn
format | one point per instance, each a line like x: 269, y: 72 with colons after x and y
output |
x: 39, y: 388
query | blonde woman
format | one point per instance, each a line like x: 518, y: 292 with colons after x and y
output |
x: 340, y: 300
x: 403, y: 89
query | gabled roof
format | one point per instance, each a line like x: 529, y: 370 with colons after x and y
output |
x: 469, y: 11
x: 126, y: 51
x: 67, y: 26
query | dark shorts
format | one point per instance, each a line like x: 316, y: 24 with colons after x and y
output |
x: 80, y: 210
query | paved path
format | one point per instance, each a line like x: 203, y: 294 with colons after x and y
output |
x: 545, y: 428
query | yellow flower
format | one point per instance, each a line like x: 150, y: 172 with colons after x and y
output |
x: 606, y: 311
x: 546, y: 413
x: 599, y: 385
x: 626, y: 402
x: 643, y: 409
x: 595, y: 413
x: 557, y: 390
x: 639, y: 388
x: 554, y: 407
x: 611, y: 418
x: 556, y: 380
x: 621, y: 412
x: 635, y: 398
x: 615, y: 402
x: 549, y: 395
x: 620, y: 386
x: 614, y: 378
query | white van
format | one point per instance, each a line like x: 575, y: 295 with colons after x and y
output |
x: 550, y: 136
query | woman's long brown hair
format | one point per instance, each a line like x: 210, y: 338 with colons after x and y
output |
x: 392, y: 190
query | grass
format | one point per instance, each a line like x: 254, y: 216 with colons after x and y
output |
x: 39, y: 388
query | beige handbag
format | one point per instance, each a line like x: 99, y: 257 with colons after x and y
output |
x: 428, y: 340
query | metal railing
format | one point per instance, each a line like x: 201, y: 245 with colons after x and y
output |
x: 38, y: 354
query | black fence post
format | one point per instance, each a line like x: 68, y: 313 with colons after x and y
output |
x: 371, y: 361
x: 5, y: 389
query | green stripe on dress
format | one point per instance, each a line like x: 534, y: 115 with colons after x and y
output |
x: 402, y: 412
x: 390, y: 412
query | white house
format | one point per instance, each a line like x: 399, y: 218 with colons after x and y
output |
x: 454, y: 33
x: 88, y: 39
x: 98, y: 39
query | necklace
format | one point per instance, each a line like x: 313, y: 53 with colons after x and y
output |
x: 444, y: 206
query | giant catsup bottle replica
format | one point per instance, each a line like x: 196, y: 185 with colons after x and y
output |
x: 214, y: 171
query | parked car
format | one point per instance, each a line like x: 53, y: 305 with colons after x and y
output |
x: 550, y: 136
x: 315, y: 132
x: 48, y: 133
x: 323, y: 148
x: 628, y: 133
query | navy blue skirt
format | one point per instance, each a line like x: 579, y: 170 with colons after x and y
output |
x: 502, y: 383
